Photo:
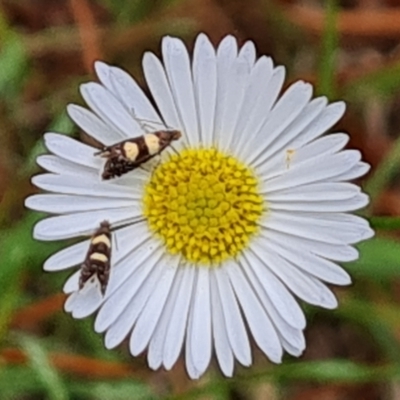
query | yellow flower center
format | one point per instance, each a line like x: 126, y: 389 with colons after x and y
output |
x: 203, y: 204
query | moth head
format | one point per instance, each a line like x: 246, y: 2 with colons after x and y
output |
x: 105, y: 224
x: 166, y: 137
x: 175, y: 135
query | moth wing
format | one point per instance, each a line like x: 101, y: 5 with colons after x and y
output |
x: 85, y: 301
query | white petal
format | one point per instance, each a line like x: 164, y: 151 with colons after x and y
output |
x: 191, y: 369
x: 279, y: 295
x: 287, y: 158
x: 315, y: 170
x: 151, y: 313
x: 177, y: 66
x: 237, y: 334
x: 221, y: 341
x: 314, y: 192
x: 301, y: 284
x: 290, y: 157
x: 72, y: 150
x: 155, y: 356
x: 294, y: 350
x: 329, y: 144
x: 72, y: 284
x: 67, y: 258
x: 332, y: 113
x: 69, y: 303
x: 355, y: 203
x: 199, y: 328
x: 237, y: 77
x: 60, y: 166
x: 68, y: 184
x: 133, y: 97
x: 286, y: 110
x: 175, y: 333
x: 274, y: 88
x: 93, y: 125
x: 319, y: 227
x: 248, y: 53
x: 64, y: 204
x: 291, y: 335
x: 123, y: 325
x: 130, y: 245
x: 154, y: 352
x: 314, y: 265
x: 226, y: 57
x: 87, y: 300
x: 327, y: 250
x: 205, y: 84
x: 138, y: 269
x: 259, y: 323
x: 295, y: 128
x: 103, y: 72
x: 358, y: 170
x: 80, y: 224
x: 110, y: 110
x: 159, y: 87
x: 253, y: 112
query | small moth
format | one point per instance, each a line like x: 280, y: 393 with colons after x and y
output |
x: 97, y: 261
x: 129, y: 154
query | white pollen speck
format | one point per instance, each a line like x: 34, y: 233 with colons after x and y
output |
x: 289, y: 157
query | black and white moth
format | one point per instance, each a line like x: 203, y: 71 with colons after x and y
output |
x: 129, y: 154
x: 98, y: 256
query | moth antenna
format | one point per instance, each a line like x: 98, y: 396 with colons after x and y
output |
x: 115, y: 241
x: 104, y: 152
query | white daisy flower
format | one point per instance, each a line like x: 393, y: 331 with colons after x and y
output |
x: 213, y: 245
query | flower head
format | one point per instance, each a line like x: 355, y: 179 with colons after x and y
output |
x: 211, y: 243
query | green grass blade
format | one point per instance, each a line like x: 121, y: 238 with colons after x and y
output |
x: 385, y: 223
x: 46, y: 373
x: 379, y: 260
x: 384, y: 172
x: 326, y: 73
x: 384, y: 82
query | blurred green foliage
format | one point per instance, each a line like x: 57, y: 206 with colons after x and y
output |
x: 22, y: 256
x: 327, y: 55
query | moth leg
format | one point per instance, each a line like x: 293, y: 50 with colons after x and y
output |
x: 174, y: 149
x: 143, y: 126
x: 146, y: 127
x: 157, y: 163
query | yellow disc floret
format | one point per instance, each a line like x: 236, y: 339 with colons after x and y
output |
x: 204, y: 205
